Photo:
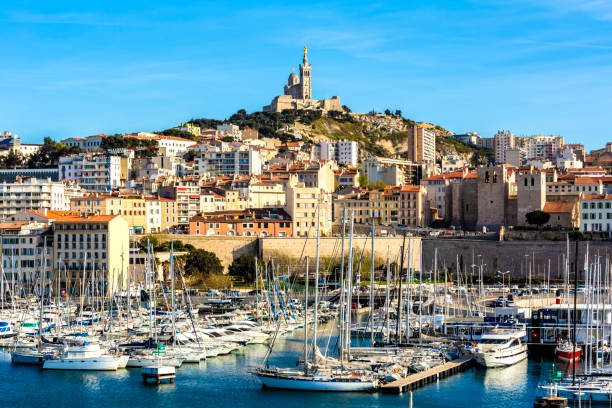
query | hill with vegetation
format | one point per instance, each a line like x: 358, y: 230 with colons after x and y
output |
x: 382, y: 134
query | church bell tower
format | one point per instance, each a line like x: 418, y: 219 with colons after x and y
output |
x: 305, y: 89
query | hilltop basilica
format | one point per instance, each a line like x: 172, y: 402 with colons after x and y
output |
x: 298, y: 93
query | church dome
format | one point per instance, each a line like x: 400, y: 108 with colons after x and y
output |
x: 293, y: 79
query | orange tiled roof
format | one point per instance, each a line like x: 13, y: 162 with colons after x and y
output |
x: 558, y: 207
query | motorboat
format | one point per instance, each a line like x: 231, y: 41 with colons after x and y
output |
x: 501, y: 347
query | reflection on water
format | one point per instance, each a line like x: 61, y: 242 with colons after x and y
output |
x: 506, y: 378
x: 224, y: 381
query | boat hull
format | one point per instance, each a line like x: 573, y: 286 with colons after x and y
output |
x: 83, y: 364
x: 270, y: 381
x: 568, y: 355
x: 502, y: 359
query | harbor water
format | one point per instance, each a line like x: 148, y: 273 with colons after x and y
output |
x: 225, y: 382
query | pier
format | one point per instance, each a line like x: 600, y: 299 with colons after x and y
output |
x: 417, y: 380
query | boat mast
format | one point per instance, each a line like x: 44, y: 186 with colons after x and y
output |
x: 306, y: 318
x: 371, y: 317
x: 349, y: 291
x: 316, y: 287
x: 172, y: 293
x: 574, y: 318
x: 387, y: 294
x: 399, y: 294
x: 341, y: 298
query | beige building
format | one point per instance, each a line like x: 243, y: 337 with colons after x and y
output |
x: 265, y: 194
x: 421, y: 144
x: 83, y: 241
x: 302, y: 205
x: 412, y: 210
x: 144, y: 215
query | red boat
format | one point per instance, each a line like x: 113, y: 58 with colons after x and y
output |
x: 566, y: 352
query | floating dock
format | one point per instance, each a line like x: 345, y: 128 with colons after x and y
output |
x: 158, y: 373
x: 417, y: 380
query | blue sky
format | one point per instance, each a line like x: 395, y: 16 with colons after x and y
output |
x: 531, y: 66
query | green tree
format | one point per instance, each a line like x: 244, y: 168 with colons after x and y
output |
x: 49, y: 153
x: 200, y: 263
x: 388, y: 112
x: 379, y: 185
x: 537, y: 217
x: 363, y: 180
x: 243, y: 266
x: 11, y: 160
x: 398, y: 113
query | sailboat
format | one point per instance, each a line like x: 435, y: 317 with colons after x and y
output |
x: 314, y: 375
x: 566, y: 350
x: 35, y: 356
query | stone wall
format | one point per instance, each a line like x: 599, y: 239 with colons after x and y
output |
x: 226, y: 248
x: 504, y: 256
x: 331, y: 247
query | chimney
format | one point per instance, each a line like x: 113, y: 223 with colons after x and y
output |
x: 44, y: 212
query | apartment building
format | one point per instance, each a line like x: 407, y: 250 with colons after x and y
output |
x: 264, y: 194
x: 596, y: 213
x: 34, y: 193
x: 186, y: 193
x: 144, y: 215
x: 227, y: 159
x: 26, y: 247
x: 392, y: 172
x: 98, y: 173
x: 541, y: 147
x: 302, y: 206
x: 254, y: 222
x: 421, y: 144
x: 87, y: 144
x: 412, y: 210
x: 345, y: 152
x: 503, y: 140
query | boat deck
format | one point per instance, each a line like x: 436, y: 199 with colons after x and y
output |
x: 417, y: 380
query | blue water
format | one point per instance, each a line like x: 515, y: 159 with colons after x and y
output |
x: 225, y: 382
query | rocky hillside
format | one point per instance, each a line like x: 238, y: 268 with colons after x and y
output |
x: 379, y: 134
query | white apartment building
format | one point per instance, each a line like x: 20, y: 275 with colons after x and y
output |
x: 541, y: 147
x: 327, y: 150
x: 347, y: 152
x: 174, y: 146
x: 32, y: 193
x: 344, y: 151
x: 566, y: 159
x: 87, y: 144
x: 452, y: 163
x: 153, y: 210
x: 228, y: 160
x: 503, y: 140
x: 227, y: 129
x: 94, y: 173
x: 596, y: 213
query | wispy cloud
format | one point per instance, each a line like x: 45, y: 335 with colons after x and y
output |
x: 596, y: 9
x: 73, y: 18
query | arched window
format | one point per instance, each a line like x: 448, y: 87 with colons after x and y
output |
x: 532, y: 182
x: 525, y: 181
x: 486, y: 176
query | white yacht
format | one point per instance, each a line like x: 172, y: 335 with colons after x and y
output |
x: 87, y: 357
x: 501, y: 347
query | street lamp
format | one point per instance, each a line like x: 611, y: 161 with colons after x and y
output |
x: 503, y: 274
